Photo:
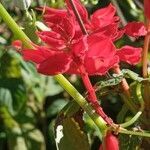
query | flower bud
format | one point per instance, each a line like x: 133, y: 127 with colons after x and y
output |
x: 111, y: 142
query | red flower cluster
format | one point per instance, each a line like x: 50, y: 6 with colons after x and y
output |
x: 67, y: 50
x: 111, y: 142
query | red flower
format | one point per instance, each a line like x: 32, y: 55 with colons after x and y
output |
x: 66, y: 50
x: 135, y: 29
x: 95, y: 57
x: 99, y: 22
x: 51, y: 62
x: 129, y: 54
x: 147, y: 8
x: 111, y: 142
x: 104, y: 17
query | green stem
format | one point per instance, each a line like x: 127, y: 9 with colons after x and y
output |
x: 81, y: 101
x: 131, y: 121
x: 124, y: 131
x: 14, y: 27
x: 60, y: 78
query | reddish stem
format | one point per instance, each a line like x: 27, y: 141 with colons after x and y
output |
x: 92, y: 96
x: 124, y: 83
x: 145, y: 50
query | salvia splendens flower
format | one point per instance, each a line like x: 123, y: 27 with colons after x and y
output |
x: 67, y: 50
x: 111, y: 142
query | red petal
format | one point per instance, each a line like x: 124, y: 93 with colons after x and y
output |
x: 74, y: 69
x: 37, y: 56
x: 54, y: 15
x: 80, y: 47
x: 130, y: 54
x: 101, y: 55
x: 111, y: 31
x: 64, y: 26
x: 100, y: 66
x: 48, y: 10
x: 52, y: 42
x: 147, y: 8
x: 81, y: 9
x: 58, y: 63
x: 103, y: 17
x: 54, y: 19
x: 135, y: 29
x: 69, y: 28
x: 100, y: 47
x: 50, y: 34
x: 17, y: 44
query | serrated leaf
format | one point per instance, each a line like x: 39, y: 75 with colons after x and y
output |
x: 69, y: 136
x: 69, y: 129
x: 110, y: 82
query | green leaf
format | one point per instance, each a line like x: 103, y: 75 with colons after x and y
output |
x: 10, y: 65
x: 110, y: 82
x: 6, y: 99
x: 69, y: 136
x: 34, y: 137
x: 55, y: 107
x: 30, y: 27
x: 16, y: 94
x: 69, y: 129
x: 26, y: 137
x: 50, y: 86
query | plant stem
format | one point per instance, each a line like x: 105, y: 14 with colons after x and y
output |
x: 81, y: 101
x: 145, y: 71
x: 144, y: 134
x: 92, y: 96
x: 124, y: 83
x: 14, y: 27
x: 145, y: 51
x: 78, y: 17
x: 131, y: 121
x: 60, y: 78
